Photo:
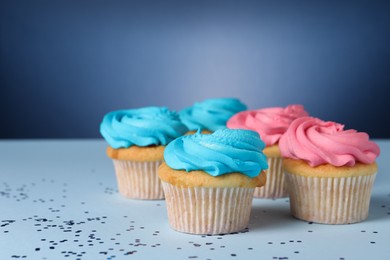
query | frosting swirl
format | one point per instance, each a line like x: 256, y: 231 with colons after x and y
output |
x: 142, y: 127
x: 224, y: 151
x: 211, y: 114
x: 318, y: 142
x: 269, y: 123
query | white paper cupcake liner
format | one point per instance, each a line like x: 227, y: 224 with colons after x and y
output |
x: 138, y: 180
x: 275, y: 186
x: 200, y: 210
x: 341, y: 200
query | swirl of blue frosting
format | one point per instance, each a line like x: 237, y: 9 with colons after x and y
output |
x: 142, y: 127
x: 224, y: 151
x: 211, y: 114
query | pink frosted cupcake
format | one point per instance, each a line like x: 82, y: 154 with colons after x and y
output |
x: 329, y: 171
x: 271, y: 124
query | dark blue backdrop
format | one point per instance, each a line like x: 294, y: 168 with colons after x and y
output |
x: 64, y: 64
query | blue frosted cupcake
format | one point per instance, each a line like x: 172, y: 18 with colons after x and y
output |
x: 137, y: 139
x: 209, y: 180
x: 210, y: 114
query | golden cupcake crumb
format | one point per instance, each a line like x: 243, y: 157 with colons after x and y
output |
x: 300, y: 167
x: 272, y: 151
x: 181, y: 178
x: 137, y: 153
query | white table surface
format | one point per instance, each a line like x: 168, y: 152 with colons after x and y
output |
x: 59, y: 201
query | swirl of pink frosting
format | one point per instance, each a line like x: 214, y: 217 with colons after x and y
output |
x: 269, y: 123
x: 318, y: 142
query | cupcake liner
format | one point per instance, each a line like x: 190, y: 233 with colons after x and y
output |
x: 275, y: 186
x: 328, y: 200
x: 138, y: 180
x: 201, y: 210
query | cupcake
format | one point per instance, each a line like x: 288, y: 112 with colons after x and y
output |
x: 329, y: 171
x: 211, y: 114
x: 209, y: 180
x: 271, y: 124
x: 137, y: 138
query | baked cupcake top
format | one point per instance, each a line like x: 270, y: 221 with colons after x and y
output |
x: 211, y: 114
x: 270, y: 123
x: 319, y: 142
x: 146, y: 126
x: 224, y: 151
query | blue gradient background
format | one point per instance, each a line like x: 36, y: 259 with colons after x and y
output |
x: 63, y: 65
